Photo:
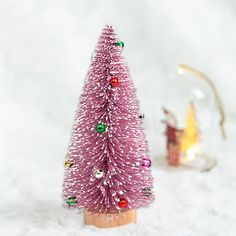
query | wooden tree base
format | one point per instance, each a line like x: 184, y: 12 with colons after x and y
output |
x: 109, y: 220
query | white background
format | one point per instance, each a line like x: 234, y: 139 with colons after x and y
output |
x: 45, y: 50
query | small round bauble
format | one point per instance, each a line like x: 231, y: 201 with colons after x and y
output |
x: 141, y: 116
x: 114, y: 82
x: 147, y: 191
x: 100, y: 128
x: 71, y: 201
x: 98, y: 174
x: 120, y: 44
x: 68, y: 163
x: 146, y: 162
x: 123, y: 203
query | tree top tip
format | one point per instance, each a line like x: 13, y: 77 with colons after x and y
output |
x: 107, y: 27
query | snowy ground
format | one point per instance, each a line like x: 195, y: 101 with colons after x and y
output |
x: 45, y: 49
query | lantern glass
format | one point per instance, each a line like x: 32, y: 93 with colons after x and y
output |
x: 191, y: 120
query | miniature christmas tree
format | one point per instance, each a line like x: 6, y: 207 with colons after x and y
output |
x: 107, y: 165
x: 190, y: 135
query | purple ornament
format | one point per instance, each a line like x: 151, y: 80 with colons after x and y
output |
x: 146, y: 162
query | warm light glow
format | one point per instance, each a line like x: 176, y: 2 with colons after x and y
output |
x: 190, y: 136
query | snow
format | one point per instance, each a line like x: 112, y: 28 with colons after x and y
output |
x: 45, y: 49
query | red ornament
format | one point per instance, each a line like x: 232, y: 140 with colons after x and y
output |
x: 114, y: 82
x: 123, y: 203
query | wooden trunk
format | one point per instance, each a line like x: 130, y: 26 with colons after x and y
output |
x: 109, y: 220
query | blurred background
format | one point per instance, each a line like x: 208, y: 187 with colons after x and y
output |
x: 45, y: 52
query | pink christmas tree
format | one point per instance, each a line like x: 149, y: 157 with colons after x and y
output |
x: 107, y: 165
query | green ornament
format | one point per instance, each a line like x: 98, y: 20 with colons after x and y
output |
x: 100, y: 128
x: 120, y: 44
x: 71, y: 201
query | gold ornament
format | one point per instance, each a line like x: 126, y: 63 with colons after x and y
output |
x: 68, y: 163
